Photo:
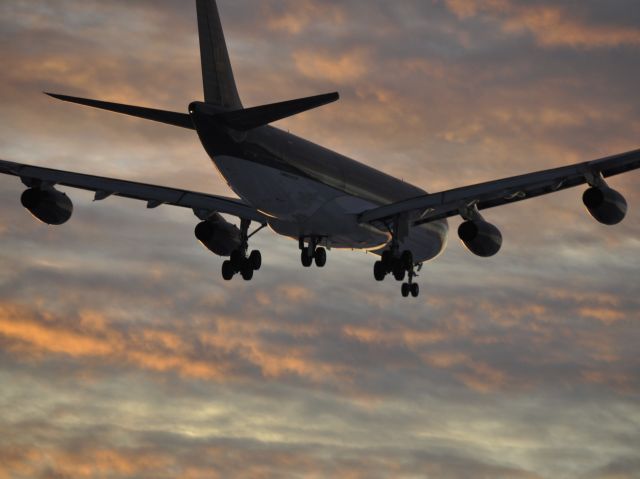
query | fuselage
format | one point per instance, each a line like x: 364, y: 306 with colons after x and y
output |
x: 307, y: 190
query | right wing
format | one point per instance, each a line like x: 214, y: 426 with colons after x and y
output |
x: 433, y: 207
x: 202, y: 204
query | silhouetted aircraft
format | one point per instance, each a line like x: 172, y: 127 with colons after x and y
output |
x: 309, y: 193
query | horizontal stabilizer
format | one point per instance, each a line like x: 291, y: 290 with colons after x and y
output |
x: 250, y: 118
x: 169, y: 117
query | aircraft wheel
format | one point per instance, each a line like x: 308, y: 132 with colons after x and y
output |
x: 237, y: 259
x: 387, y: 260
x: 320, y: 257
x: 415, y: 290
x: 255, y: 259
x: 247, y: 271
x: 306, y: 258
x: 405, y: 289
x: 379, y: 271
x: 399, y: 273
x: 228, y: 270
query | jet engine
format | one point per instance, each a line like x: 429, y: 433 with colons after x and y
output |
x: 219, y: 236
x: 481, y: 238
x: 48, y: 205
x: 605, y: 204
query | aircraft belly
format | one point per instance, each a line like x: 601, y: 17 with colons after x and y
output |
x: 276, y: 193
x: 299, y: 206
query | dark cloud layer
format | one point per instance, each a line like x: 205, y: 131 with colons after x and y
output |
x: 123, y: 354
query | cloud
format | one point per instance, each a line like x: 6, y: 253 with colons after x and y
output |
x: 550, y: 24
x: 123, y: 354
x: 295, y: 17
x: 348, y: 67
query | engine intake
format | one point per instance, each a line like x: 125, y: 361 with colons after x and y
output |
x: 49, y: 205
x: 219, y: 236
x: 481, y: 238
x: 605, y: 204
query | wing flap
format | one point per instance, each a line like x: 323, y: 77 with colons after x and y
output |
x: 152, y: 194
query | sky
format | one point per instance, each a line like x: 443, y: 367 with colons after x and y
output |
x: 123, y: 354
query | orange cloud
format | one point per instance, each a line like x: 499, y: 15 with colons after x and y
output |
x: 551, y: 25
x: 297, y: 16
x: 605, y: 315
x: 231, y: 345
x: 346, y: 68
x: 483, y: 378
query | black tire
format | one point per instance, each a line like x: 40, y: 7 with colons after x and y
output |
x: 387, y: 260
x: 399, y: 273
x: 255, y: 258
x: 379, y: 271
x: 305, y: 258
x: 405, y: 290
x: 228, y: 270
x: 415, y: 290
x: 247, y: 271
x: 407, y: 260
x: 237, y: 260
x: 320, y: 257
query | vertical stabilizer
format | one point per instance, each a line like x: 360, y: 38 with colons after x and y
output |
x: 217, y: 75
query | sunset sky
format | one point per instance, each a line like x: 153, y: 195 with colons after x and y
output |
x: 123, y: 354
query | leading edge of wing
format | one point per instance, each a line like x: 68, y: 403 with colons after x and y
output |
x: 154, y: 195
x: 432, y: 207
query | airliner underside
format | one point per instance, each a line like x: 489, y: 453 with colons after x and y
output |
x: 306, y: 192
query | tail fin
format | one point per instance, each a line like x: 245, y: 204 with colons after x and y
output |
x: 217, y: 75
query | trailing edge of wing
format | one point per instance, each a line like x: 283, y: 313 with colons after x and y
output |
x: 168, y: 117
x: 152, y: 194
x: 446, y: 204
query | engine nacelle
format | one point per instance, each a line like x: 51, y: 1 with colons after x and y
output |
x: 48, y: 205
x: 219, y: 236
x: 481, y: 238
x: 605, y: 204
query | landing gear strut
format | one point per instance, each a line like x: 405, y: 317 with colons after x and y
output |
x: 240, y: 262
x: 400, y: 264
x: 312, y: 252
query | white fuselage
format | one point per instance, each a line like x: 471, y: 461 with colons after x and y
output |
x: 301, y: 207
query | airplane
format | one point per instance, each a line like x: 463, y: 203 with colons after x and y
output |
x: 305, y: 192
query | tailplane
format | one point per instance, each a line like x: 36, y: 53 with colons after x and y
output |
x: 217, y: 75
x: 222, y: 105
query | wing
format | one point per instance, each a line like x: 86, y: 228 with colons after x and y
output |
x: 432, y: 207
x: 202, y: 204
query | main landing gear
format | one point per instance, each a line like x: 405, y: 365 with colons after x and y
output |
x: 400, y: 266
x: 240, y: 262
x: 312, y: 252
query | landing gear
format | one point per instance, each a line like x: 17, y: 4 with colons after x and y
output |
x: 240, y: 262
x: 400, y: 266
x: 320, y: 257
x: 255, y: 258
x: 410, y: 289
x: 379, y: 271
x: 312, y: 253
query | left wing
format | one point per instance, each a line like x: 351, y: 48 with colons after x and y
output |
x: 202, y: 204
x: 432, y: 207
